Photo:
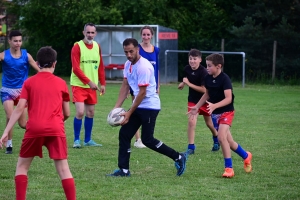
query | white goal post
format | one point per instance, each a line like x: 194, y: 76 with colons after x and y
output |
x: 220, y: 52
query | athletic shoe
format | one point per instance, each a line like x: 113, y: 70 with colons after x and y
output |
x: 247, y: 163
x: 77, y: 144
x: 92, y: 143
x: 229, y: 173
x: 139, y: 144
x: 180, y: 164
x: 8, y: 150
x: 216, y: 147
x: 190, y: 151
x: 119, y: 172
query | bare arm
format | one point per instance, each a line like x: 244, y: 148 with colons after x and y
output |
x: 181, y: 86
x: 1, y: 56
x: 227, y: 100
x: 13, y: 119
x: 203, y: 99
x: 33, y: 63
x: 66, y: 110
x: 137, y: 101
x: 200, y: 89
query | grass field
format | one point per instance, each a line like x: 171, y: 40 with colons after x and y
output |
x: 266, y: 123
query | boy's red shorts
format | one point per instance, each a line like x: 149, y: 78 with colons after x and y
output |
x: 85, y: 95
x: 224, y: 118
x: 202, y: 110
x: 57, y: 147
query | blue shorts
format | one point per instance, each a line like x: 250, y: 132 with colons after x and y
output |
x: 10, y: 94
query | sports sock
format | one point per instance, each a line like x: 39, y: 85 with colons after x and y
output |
x: 125, y: 171
x: 215, y: 139
x: 241, y: 152
x: 228, y: 162
x: 77, y: 127
x: 192, y: 146
x: 9, y: 143
x: 88, y: 125
x: 21, y: 182
x: 69, y: 188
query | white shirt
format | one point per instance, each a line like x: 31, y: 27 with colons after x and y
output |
x: 142, y: 74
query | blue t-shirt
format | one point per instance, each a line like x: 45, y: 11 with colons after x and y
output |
x: 15, y: 70
x: 153, y: 59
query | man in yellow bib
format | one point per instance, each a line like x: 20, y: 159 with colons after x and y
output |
x: 87, y: 71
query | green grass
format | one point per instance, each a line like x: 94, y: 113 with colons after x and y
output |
x: 266, y: 123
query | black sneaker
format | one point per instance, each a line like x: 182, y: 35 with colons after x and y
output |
x: 180, y: 164
x: 119, y: 172
x: 215, y: 147
x: 8, y: 150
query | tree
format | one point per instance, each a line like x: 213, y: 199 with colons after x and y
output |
x: 261, y: 23
x: 56, y: 23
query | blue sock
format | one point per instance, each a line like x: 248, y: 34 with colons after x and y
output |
x: 88, y: 125
x: 77, y: 127
x: 215, y: 122
x: 192, y: 146
x: 241, y: 152
x: 215, y: 139
x: 228, y: 162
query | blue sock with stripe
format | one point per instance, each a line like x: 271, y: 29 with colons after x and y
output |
x: 241, y: 152
x: 88, y: 125
x: 77, y: 127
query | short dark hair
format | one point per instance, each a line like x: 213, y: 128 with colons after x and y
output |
x: 195, y: 53
x: 216, y: 59
x: 88, y: 24
x: 129, y: 41
x: 14, y: 33
x: 147, y: 27
x: 46, y: 56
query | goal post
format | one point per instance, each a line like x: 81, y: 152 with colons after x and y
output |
x: 220, y: 52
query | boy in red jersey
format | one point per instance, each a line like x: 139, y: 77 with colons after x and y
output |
x: 47, y: 97
x: 220, y: 98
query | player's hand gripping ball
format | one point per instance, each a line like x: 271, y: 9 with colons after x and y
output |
x: 114, y: 118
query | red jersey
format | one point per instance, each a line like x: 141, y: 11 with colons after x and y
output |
x: 75, y: 58
x: 45, y: 94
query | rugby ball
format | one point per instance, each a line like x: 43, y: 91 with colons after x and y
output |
x: 114, y: 118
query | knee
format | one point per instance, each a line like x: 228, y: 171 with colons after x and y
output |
x: 90, y: 113
x: 79, y: 114
x: 22, y: 124
x: 222, y: 138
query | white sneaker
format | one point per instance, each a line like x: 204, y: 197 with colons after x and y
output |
x: 139, y: 144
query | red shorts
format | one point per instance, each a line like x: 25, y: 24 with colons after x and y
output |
x: 57, y: 147
x: 224, y: 118
x: 85, y: 95
x: 202, y: 110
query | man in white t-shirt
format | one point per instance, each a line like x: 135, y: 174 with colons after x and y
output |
x: 139, y: 75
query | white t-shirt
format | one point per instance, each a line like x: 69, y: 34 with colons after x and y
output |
x: 142, y: 74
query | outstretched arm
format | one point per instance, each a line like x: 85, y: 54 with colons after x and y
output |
x: 33, y: 63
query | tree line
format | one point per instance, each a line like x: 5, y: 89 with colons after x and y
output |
x: 249, y: 26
